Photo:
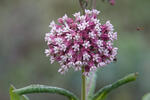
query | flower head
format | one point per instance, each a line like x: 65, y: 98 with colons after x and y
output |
x: 81, y: 42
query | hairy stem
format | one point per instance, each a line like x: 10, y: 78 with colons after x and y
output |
x: 83, y: 91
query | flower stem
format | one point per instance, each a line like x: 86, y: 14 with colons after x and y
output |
x: 83, y: 91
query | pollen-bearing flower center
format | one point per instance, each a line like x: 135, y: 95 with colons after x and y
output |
x: 81, y: 41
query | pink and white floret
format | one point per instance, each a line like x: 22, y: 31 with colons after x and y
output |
x: 81, y: 42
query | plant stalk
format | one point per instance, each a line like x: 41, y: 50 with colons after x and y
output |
x: 83, y: 90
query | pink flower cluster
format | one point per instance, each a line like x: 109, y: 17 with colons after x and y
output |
x: 81, y: 42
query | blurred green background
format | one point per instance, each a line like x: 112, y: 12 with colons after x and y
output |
x: 23, y: 24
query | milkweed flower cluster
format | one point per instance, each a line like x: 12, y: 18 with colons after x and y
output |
x: 81, y: 41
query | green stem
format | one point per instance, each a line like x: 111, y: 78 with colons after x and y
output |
x: 83, y: 91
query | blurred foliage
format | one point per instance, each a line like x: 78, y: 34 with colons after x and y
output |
x: 23, y: 24
x: 146, y: 96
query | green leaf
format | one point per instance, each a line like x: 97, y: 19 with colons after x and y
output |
x: 102, y: 93
x: 45, y: 89
x: 146, y: 96
x: 14, y: 96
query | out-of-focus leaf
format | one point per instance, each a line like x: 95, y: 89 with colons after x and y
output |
x: 91, y: 82
x: 14, y: 96
x: 146, y: 96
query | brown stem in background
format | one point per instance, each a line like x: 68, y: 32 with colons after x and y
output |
x: 83, y: 4
x: 93, y: 4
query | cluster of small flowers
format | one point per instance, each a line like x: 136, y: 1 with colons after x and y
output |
x: 81, y: 42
